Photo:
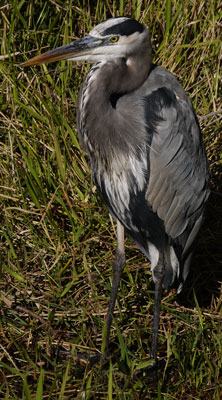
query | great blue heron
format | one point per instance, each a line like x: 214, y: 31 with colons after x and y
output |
x: 143, y: 140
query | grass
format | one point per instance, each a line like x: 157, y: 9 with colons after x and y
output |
x: 57, y: 239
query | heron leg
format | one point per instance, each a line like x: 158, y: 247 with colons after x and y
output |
x: 118, y: 265
x: 158, y: 277
x: 158, y: 272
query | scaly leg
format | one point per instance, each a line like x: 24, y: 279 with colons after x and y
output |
x: 158, y: 272
x: 158, y: 277
x: 118, y: 266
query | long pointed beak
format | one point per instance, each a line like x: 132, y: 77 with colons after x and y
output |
x: 75, y: 50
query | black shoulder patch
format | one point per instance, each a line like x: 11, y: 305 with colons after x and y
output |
x: 114, y: 98
x: 154, y: 102
x: 124, y: 28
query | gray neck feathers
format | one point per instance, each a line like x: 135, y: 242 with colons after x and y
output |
x: 101, y: 127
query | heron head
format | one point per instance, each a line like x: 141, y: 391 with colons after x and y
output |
x: 114, y: 38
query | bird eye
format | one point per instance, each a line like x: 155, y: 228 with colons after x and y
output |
x: 114, y: 39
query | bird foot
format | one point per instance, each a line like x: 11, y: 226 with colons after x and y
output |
x: 91, y: 357
x: 150, y: 371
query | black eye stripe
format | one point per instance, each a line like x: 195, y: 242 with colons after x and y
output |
x: 126, y: 28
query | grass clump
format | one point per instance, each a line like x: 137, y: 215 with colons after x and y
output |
x: 57, y: 240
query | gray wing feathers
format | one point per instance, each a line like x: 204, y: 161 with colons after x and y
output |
x: 176, y: 185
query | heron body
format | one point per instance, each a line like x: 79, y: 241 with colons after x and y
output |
x: 143, y: 140
x: 139, y: 129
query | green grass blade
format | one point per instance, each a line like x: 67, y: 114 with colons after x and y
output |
x: 11, y: 369
x: 64, y: 381
x: 168, y: 16
x: 27, y: 390
x: 201, y: 319
x: 14, y: 274
x: 110, y: 382
x: 39, y: 392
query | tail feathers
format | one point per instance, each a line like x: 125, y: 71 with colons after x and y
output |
x: 184, y: 272
x: 172, y: 267
x: 174, y: 270
x: 171, y: 264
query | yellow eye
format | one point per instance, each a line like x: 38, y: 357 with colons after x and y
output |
x: 114, y: 39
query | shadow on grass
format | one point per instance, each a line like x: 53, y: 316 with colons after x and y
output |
x: 206, y: 273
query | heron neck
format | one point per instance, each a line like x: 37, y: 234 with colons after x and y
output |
x: 124, y: 75
x: 98, y: 104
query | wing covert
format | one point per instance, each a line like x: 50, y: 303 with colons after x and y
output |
x: 177, y: 188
